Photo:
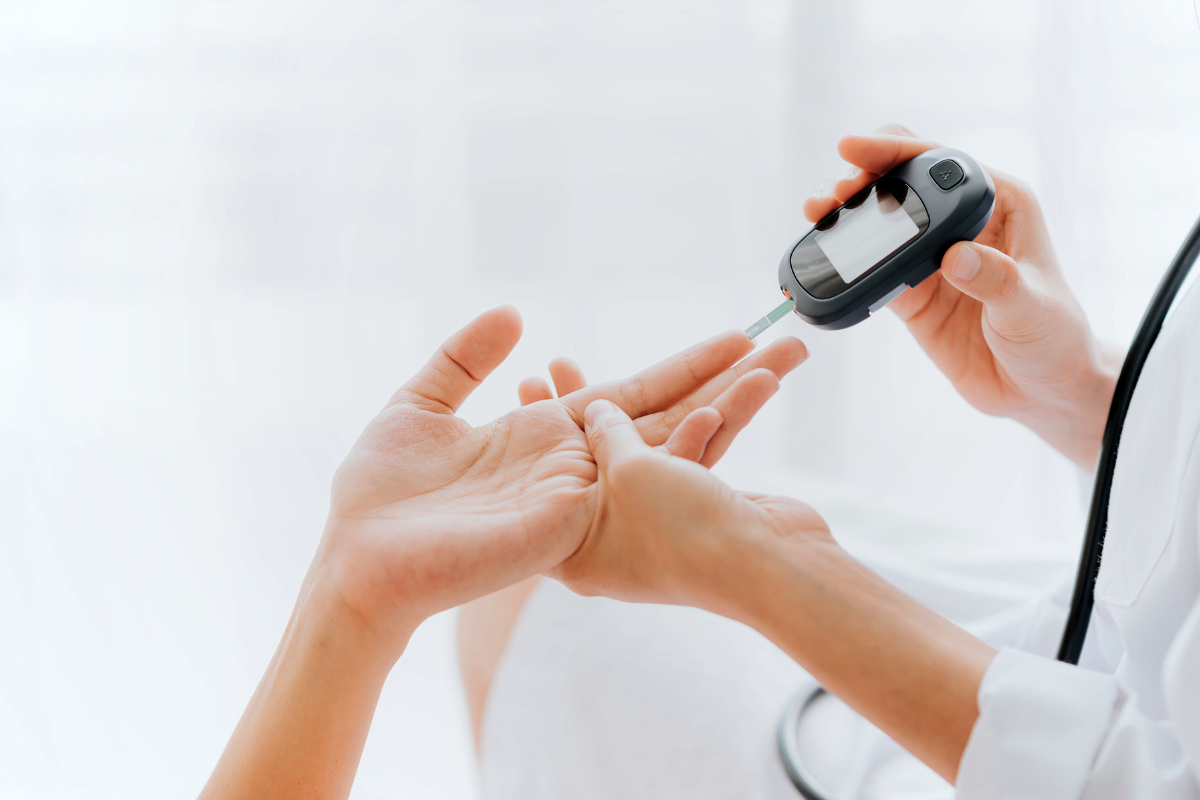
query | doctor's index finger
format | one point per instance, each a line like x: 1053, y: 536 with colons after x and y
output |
x: 880, y: 152
x: 870, y: 157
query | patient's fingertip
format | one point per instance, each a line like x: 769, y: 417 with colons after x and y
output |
x: 709, y: 421
x: 533, y: 390
x: 740, y: 344
x: 739, y: 335
x: 562, y: 363
x: 768, y: 376
x: 791, y: 350
x: 506, y: 315
x: 765, y: 378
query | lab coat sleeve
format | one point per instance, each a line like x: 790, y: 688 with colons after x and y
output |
x: 1051, y: 730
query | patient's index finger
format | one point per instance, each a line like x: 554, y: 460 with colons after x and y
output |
x: 781, y: 357
x: 463, y: 361
x: 668, y: 381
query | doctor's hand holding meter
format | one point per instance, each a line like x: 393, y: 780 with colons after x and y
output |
x: 1000, y: 322
x: 999, y: 319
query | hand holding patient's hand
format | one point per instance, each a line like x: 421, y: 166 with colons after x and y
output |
x: 998, y: 319
x: 429, y: 512
x: 669, y: 531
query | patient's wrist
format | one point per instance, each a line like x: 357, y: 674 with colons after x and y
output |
x: 307, y: 720
x: 335, y: 624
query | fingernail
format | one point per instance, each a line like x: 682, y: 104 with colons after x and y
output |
x: 851, y: 174
x: 966, y: 265
x: 597, y: 409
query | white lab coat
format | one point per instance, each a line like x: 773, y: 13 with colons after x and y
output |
x: 1127, y: 723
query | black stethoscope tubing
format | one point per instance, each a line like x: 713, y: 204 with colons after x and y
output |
x: 1083, y: 598
x: 1075, y: 629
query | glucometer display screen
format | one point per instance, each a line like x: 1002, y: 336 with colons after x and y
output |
x: 858, y: 237
x: 862, y: 239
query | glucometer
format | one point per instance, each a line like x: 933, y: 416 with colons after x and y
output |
x: 888, y: 237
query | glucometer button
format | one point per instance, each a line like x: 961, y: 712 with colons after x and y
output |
x: 946, y: 174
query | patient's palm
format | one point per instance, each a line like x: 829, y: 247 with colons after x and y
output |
x: 521, y: 482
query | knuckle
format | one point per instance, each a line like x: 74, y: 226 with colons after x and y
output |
x: 1027, y: 306
x: 635, y: 394
x: 675, y: 415
x: 1010, y: 283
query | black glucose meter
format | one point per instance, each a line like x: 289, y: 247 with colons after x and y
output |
x: 888, y: 237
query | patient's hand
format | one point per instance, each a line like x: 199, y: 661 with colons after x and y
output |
x: 429, y: 512
x: 998, y: 318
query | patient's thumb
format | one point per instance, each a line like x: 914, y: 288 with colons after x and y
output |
x: 989, y: 276
x: 611, y: 434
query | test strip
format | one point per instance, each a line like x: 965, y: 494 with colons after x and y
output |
x: 770, y: 319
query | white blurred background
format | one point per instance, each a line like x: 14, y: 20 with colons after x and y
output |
x: 228, y: 230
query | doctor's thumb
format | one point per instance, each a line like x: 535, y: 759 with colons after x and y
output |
x: 989, y: 276
x: 612, y: 437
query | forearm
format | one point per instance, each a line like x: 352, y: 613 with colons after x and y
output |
x: 912, y: 673
x: 302, y: 733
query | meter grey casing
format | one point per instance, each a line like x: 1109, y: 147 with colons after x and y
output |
x: 956, y: 214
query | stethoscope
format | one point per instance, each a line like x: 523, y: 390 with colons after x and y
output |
x: 1075, y: 630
